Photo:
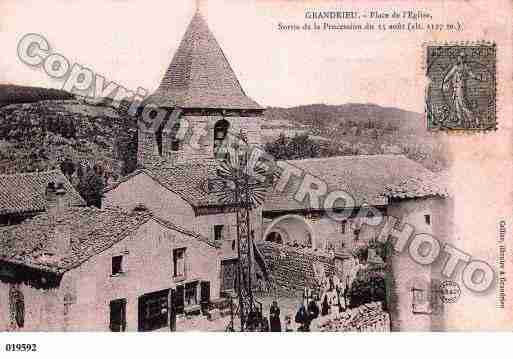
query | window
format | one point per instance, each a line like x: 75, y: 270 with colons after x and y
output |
x: 191, y: 294
x: 175, y: 142
x: 220, y: 134
x: 179, y: 262
x: 117, y: 265
x: 118, y: 315
x: 228, y: 274
x: 427, y: 219
x: 218, y: 232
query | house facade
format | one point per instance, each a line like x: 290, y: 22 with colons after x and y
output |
x: 75, y: 269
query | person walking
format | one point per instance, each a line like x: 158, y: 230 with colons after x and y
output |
x: 274, y: 317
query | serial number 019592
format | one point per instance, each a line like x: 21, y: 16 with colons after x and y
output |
x: 21, y: 347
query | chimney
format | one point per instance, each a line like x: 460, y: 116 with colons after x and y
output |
x: 56, y: 202
x: 56, y: 199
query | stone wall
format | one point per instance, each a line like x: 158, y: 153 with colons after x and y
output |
x: 366, y: 318
x: 198, y: 143
x: 407, y: 273
x: 293, y: 268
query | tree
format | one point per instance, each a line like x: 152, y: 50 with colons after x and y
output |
x: 91, y: 184
x: 290, y: 148
x: 67, y: 167
x: 126, y: 150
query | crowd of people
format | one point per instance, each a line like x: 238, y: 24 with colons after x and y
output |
x: 329, y: 297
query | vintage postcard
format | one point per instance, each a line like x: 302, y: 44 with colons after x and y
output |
x: 256, y: 166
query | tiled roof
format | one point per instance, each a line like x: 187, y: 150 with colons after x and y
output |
x: 93, y: 231
x: 25, y: 192
x: 189, y: 181
x: 370, y: 180
x: 200, y: 76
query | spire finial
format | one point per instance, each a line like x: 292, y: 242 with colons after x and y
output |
x: 199, y: 5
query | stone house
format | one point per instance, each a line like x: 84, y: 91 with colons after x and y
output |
x: 82, y: 268
x: 22, y: 195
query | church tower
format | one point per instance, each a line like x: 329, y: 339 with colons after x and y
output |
x: 199, y: 96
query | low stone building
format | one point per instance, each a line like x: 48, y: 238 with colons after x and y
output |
x: 381, y: 181
x: 395, y: 186
x: 74, y: 269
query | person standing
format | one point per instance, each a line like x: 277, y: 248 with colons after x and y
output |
x: 288, y: 324
x: 325, y: 307
x: 302, y: 319
x: 274, y: 317
x: 455, y: 82
x: 313, y: 310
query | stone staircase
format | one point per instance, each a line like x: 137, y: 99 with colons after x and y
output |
x: 292, y: 268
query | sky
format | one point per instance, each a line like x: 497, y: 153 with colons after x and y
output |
x: 132, y: 42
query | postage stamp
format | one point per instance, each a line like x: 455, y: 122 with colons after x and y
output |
x: 461, y: 92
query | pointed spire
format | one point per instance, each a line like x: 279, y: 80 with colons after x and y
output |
x: 199, y: 75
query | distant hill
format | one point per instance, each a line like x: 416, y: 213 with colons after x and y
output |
x: 358, y: 129
x: 347, y: 115
x: 11, y: 94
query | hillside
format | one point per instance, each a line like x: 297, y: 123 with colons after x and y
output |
x: 40, y: 134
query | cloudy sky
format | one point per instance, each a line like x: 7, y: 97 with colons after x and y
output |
x: 132, y: 43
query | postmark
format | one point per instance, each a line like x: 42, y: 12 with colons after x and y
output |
x: 449, y: 291
x: 461, y: 90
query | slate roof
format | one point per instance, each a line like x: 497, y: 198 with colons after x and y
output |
x: 25, y: 192
x: 94, y: 231
x: 189, y: 181
x: 371, y: 180
x: 200, y: 76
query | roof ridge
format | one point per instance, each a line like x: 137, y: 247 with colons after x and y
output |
x: 391, y: 155
x: 176, y: 226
